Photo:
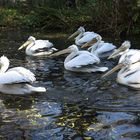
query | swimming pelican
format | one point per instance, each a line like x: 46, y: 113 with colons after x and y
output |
x: 80, y: 61
x: 99, y: 47
x: 17, y: 75
x: 82, y: 37
x: 38, y: 47
x: 124, y: 51
x: 129, y: 73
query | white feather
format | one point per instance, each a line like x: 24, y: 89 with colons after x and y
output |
x: 86, y: 37
x: 17, y: 75
x: 38, y: 47
x: 39, y: 44
x: 81, y: 61
x: 100, y: 48
x: 83, y: 58
x: 13, y: 77
x: 130, y: 76
x: 83, y: 37
x: 132, y: 54
x: 105, y: 47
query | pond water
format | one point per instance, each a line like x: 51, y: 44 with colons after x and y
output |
x: 76, y: 106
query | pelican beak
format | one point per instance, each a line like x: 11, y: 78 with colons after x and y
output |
x: 113, y: 55
x: 24, y: 45
x: 73, y: 35
x: 116, y: 52
x: 90, y: 43
x: 119, y: 66
x: 60, y: 52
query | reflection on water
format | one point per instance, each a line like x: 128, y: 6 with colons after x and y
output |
x: 76, y: 106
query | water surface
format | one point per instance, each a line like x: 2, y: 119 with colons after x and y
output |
x: 76, y: 106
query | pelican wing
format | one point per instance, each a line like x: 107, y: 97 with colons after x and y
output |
x: 105, y: 47
x: 83, y: 59
x: 133, y: 55
x: 17, y: 75
x: 41, y: 44
x: 130, y: 75
x: 43, y: 50
x: 132, y: 79
x: 87, y: 36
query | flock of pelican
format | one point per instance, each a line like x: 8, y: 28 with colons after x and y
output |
x: 77, y: 60
x: 88, y: 60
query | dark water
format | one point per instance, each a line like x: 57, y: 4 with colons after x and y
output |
x: 76, y: 106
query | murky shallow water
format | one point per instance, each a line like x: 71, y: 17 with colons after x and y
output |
x: 76, y: 106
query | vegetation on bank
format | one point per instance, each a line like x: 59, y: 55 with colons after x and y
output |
x: 111, y: 16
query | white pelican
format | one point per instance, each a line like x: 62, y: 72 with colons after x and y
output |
x: 17, y: 75
x: 82, y: 37
x: 99, y: 47
x: 80, y: 61
x: 129, y: 74
x: 38, y: 47
x: 124, y: 51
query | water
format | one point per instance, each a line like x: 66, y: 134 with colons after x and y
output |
x: 76, y: 106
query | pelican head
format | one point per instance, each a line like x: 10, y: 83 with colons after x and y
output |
x: 124, y: 47
x: 67, y: 50
x: 126, y: 63
x: 4, y: 64
x: 30, y: 40
x: 98, y: 38
x: 73, y: 48
x: 80, y: 30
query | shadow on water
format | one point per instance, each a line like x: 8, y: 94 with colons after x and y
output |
x: 76, y: 106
